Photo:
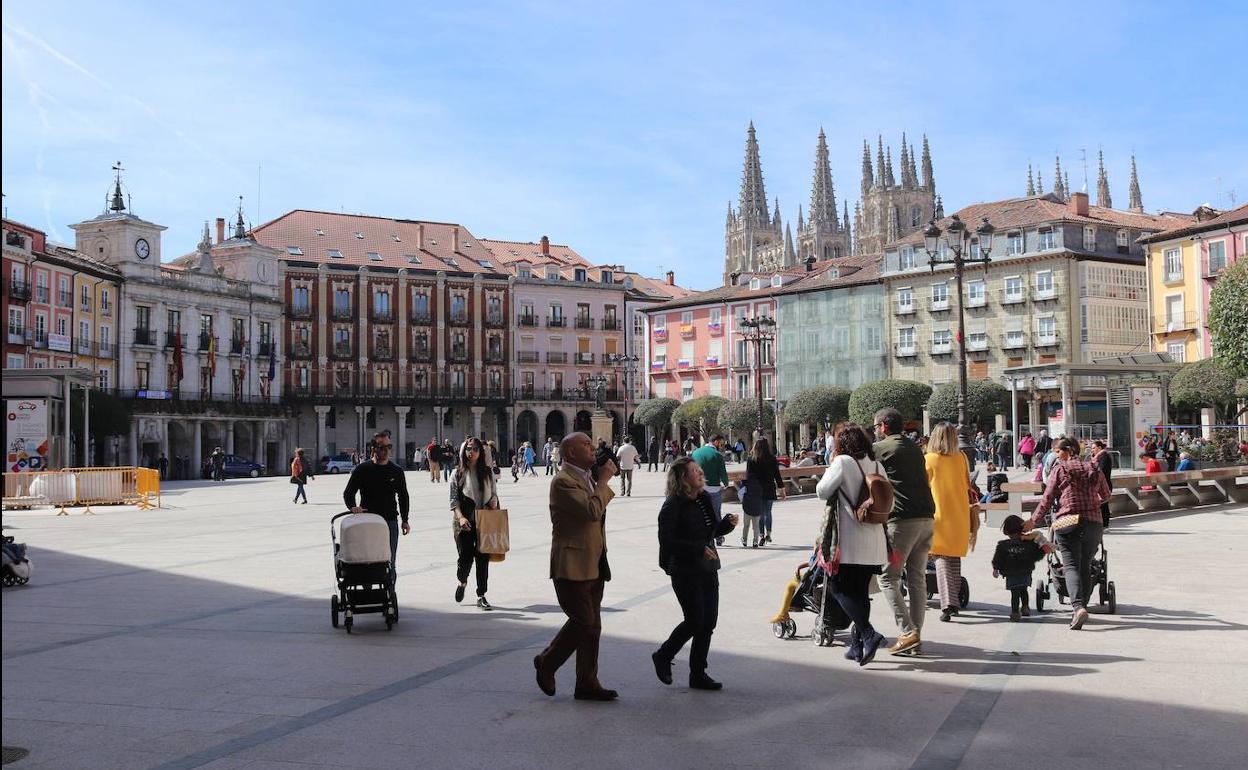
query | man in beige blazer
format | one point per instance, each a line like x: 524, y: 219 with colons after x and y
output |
x: 578, y: 566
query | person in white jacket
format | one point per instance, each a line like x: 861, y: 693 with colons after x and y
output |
x: 627, y: 455
x: 853, y: 551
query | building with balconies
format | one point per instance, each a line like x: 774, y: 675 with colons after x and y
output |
x: 1184, y: 263
x: 1066, y: 284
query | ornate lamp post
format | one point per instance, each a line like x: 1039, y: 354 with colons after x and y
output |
x: 628, y: 366
x: 759, y: 330
x: 957, y: 239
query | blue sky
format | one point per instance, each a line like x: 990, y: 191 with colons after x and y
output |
x: 616, y: 128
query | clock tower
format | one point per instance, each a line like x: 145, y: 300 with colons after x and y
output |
x: 118, y: 237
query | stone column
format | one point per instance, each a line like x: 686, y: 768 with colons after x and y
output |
x: 257, y: 428
x: 1069, y: 417
x: 439, y: 413
x: 400, y: 447
x: 229, y: 437
x: 197, y: 450
x: 803, y: 434
x: 477, y: 411
x: 321, y: 411
x: 164, y: 446
x: 359, y: 429
x: 134, y: 441
x: 1033, y: 414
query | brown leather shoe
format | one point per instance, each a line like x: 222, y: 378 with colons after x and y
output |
x: 601, y: 694
x: 545, y: 682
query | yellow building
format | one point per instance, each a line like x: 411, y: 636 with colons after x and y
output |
x: 96, y: 316
x: 1183, y: 264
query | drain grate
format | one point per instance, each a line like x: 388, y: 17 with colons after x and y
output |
x: 11, y: 754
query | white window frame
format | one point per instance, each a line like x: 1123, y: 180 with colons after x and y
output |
x: 972, y: 300
x: 940, y: 295
x: 1172, y: 264
x: 1014, y: 339
x: 1010, y: 297
x: 1180, y: 348
x: 906, y: 292
x: 905, y: 258
x: 1044, y: 284
x: 1046, y: 239
x: 1089, y: 238
x: 1209, y: 257
x: 1046, y: 329
x: 1015, y: 242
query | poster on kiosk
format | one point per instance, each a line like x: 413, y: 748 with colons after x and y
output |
x: 1147, y: 412
x: 25, y: 435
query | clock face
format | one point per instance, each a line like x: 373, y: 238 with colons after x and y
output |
x: 142, y: 249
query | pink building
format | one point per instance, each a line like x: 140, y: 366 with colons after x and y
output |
x: 569, y: 328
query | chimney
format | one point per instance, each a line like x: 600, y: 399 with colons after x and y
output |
x: 1078, y: 204
x: 454, y: 240
x: 220, y: 229
x: 671, y: 278
x: 810, y: 263
x: 545, y: 246
x: 420, y: 236
x: 733, y: 278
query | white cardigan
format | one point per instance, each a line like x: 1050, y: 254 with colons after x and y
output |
x: 860, y: 543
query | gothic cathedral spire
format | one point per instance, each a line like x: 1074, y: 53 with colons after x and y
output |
x: 1102, y: 183
x: 753, y: 206
x: 822, y: 191
x: 1031, y: 186
x: 868, y: 177
x: 1134, y: 202
x: 1060, y: 187
x: 928, y: 181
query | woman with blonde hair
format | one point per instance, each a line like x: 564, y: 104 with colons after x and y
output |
x: 949, y: 477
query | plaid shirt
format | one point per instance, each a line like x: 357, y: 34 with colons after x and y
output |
x: 1079, y: 492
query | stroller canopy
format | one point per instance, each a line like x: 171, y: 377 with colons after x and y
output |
x: 365, y: 539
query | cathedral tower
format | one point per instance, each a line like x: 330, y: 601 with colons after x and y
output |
x: 891, y: 210
x: 822, y: 236
x: 753, y: 239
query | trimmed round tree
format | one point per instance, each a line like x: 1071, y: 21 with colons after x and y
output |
x: 741, y: 416
x: 655, y: 413
x: 821, y: 406
x: 700, y: 414
x: 985, y: 400
x: 1202, y: 384
x: 1228, y: 318
x: 906, y: 396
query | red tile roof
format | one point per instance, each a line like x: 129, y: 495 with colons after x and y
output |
x: 854, y: 271
x: 394, y: 241
x: 1023, y: 212
x: 510, y: 252
x: 1236, y: 216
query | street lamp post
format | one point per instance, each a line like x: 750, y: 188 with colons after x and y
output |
x: 758, y: 330
x: 958, y: 239
x: 628, y: 367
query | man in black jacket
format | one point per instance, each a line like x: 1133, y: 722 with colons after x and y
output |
x: 379, y: 482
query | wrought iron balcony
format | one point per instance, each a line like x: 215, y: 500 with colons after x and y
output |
x: 583, y: 322
x: 556, y: 357
x: 381, y: 316
x: 554, y: 322
x: 20, y: 291
x: 459, y: 319
x: 1013, y: 297
x: 525, y: 319
x: 172, y: 339
x: 65, y: 298
x: 423, y: 355
x: 610, y: 324
x: 494, y: 320
x: 264, y: 349
x: 300, y: 311
x: 458, y: 355
x: 238, y: 347
x: 1178, y: 322
x: 421, y: 318
x: 144, y: 336
x: 527, y: 356
x: 301, y: 351
x: 343, y: 313
x: 938, y: 304
x: 583, y: 359
x: 342, y: 351
x: 206, y: 341
x: 908, y: 350
x: 383, y: 353
x: 494, y: 357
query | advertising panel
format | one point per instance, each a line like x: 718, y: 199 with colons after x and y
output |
x: 26, y: 435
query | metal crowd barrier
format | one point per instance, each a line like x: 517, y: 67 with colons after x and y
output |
x: 72, y: 487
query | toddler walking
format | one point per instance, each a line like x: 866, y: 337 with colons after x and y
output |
x: 1015, y: 558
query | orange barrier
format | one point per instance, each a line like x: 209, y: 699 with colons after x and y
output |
x: 84, y: 487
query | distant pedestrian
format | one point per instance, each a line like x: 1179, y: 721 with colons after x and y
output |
x: 418, y: 458
x: 164, y: 466
x: 652, y: 454
x: 529, y: 457
x: 1027, y: 448
x: 433, y: 456
x: 448, y: 459
x: 218, y: 464
x: 299, y: 476
x: 762, y: 485
x: 738, y: 449
x: 627, y: 455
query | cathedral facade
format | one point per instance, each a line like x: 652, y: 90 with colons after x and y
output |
x: 891, y: 206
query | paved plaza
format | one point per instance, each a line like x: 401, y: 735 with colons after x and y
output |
x: 198, y: 636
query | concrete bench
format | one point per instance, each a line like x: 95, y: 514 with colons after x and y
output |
x: 797, y: 481
x: 23, y: 502
x: 1174, y: 489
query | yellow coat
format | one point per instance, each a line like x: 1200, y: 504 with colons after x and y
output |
x: 949, y: 478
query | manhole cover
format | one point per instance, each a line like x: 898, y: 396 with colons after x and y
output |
x: 11, y: 754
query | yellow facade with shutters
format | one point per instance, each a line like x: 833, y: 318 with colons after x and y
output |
x: 1176, y: 299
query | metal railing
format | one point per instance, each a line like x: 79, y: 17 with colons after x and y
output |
x: 556, y: 323
x: 527, y: 356
x: 459, y: 355
x: 460, y: 319
x: 238, y: 347
x: 1177, y: 323
x: 423, y: 355
x: 382, y: 316
x: 905, y: 351
x: 421, y: 319
x: 937, y: 305
x: 383, y: 354
x: 583, y: 322
x: 65, y: 298
x: 584, y: 358
x: 1015, y: 341
x: 343, y: 313
x: 556, y: 357
x: 19, y: 290
x: 300, y: 311
x: 1012, y: 298
x: 144, y: 336
x: 494, y: 320
x: 342, y: 351
x: 610, y: 324
x: 300, y: 351
x: 526, y: 320
x: 206, y: 341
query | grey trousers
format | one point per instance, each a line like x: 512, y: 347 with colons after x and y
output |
x: 913, y: 538
x: 751, y: 522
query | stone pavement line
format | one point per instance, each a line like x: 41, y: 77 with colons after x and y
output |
x: 313, y: 718
x: 949, y: 744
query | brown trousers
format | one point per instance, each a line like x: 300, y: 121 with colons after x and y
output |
x: 581, y: 601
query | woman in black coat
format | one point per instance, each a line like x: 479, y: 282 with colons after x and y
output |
x: 688, y: 526
x: 762, y: 484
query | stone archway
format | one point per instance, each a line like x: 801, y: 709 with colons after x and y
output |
x: 181, y: 450
x: 526, y: 427
x: 556, y: 425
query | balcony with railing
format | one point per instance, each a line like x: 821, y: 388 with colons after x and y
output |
x: 43, y: 295
x: 493, y: 320
x: 527, y: 356
x: 610, y: 324
x: 342, y: 351
x: 421, y: 317
x: 238, y: 347
x: 459, y: 319
x: 1013, y: 340
x: 494, y: 357
x: 526, y: 319
x: 144, y: 336
x: 1175, y: 323
x: 206, y: 341
x: 1045, y: 293
x: 1213, y: 268
x: 301, y: 350
x: 1012, y: 297
x: 65, y: 298
x: 106, y: 350
x: 383, y: 353
x: 556, y: 357
x: 15, y: 239
x: 584, y: 359
x: 659, y: 333
x: 343, y: 313
x: 976, y: 343
x: 82, y: 346
x: 172, y: 339
x: 300, y: 311
x: 458, y: 355
x: 905, y: 350
x: 938, y: 304
x: 420, y: 355
x: 84, y: 304
x: 941, y: 347
x: 903, y: 308
x: 39, y: 339
x: 584, y: 322
x: 975, y: 300
x: 265, y: 349
x: 19, y: 291
x: 1047, y: 339
x: 106, y: 309
x: 556, y: 322
x: 381, y: 315
x: 687, y: 331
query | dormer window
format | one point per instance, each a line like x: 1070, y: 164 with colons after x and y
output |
x: 450, y: 261
x: 579, y: 274
x: 523, y: 271
x: 776, y: 281
x: 905, y: 258
x: 412, y: 259
x: 487, y: 264
x: 318, y: 231
x: 628, y: 283
x: 833, y: 274
x: 294, y: 251
x: 756, y: 284
x: 552, y: 273
x: 396, y: 238
x: 334, y: 253
x: 608, y: 276
x: 374, y: 256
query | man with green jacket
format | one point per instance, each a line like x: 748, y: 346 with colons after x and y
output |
x: 909, y: 528
x: 710, y: 458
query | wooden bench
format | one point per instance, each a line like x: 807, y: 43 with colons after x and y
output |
x: 797, y: 481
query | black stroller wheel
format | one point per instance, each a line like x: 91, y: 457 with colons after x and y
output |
x: 779, y: 629
x: 964, y: 593
x: 790, y: 628
x: 333, y: 610
x: 1040, y: 595
x: 1111, y: 595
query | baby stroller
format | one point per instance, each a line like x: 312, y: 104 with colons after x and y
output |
x: 1054, y: 581
x: 964, y: 588
x: 362, y: 568
x: 807, y: 592
x: 16, y: 567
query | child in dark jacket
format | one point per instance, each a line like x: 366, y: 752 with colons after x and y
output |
x: 1015, y: 558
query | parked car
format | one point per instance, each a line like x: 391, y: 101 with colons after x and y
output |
x: 239, y: 466
x: 339, y: 463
